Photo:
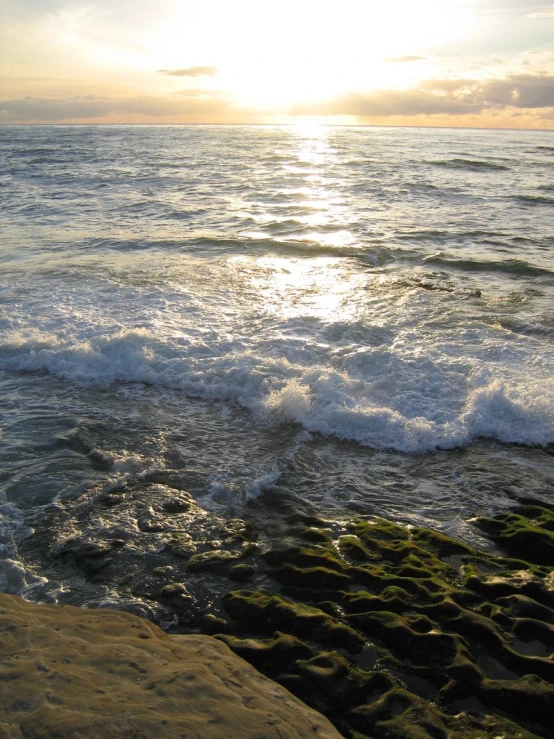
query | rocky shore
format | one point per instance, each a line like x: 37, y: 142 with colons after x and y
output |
x: 403, y: 633
x: 390, y: 631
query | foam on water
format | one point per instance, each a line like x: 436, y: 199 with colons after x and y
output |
x: 15, y: 577
x: 377, y: 396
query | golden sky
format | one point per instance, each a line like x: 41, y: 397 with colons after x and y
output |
x: 483, y: 63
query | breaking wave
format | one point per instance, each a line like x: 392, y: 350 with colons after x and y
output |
x: 370, y: 395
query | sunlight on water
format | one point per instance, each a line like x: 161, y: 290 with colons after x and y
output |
x: 318, y: 287
x: 361, y: 318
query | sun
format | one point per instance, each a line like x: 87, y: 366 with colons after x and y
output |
x: 271, y: 56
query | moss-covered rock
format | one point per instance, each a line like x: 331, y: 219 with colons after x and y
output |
x: 269, y: 613
x: 527, y: 532
x: 206, y: 561
x: 396, y: 631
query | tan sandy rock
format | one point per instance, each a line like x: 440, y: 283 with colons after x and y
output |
x: 71, y: 672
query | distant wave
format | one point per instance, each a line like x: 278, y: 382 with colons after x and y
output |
x: 374, y: 254
x: 473, y: 165
x: 216, y: 245
x: 546, y: 148
x: 508, y: 266
x: 360, y: 162
x: 441, y: 234
x: 303, y: 247
x: 534, y: 199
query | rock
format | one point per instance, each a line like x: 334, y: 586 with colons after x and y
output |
x: 241, y: 572
x: 526, y: 532
x: 460, y: 640
x: 176, y: 591
x: 179, y: 504
x: 70, y: 672
x: 212, y: 561
x: 271, y: 613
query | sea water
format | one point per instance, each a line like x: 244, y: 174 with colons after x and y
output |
x: 357, y: 320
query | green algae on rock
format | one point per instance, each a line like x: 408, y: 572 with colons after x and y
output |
x: 460, y: 641
x: 527, y: 532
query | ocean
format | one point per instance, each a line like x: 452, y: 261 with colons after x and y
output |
x: 324, y: 321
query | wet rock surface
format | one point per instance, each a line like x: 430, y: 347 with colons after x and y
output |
x: 165, y: 556
x: 388, y: 630
x: 395, y: 631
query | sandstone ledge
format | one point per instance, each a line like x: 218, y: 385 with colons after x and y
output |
x: 71, y: 672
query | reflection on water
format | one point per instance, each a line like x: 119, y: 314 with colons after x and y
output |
x: 271, y: 319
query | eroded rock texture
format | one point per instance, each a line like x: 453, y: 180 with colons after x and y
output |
x: 401, y: 632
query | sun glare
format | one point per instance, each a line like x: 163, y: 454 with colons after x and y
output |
x: 271, y: 62
x: 305, y: 53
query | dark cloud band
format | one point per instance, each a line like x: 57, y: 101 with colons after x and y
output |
x: 64, y: 109
x: 433, y: 97
x: 190, y: 72
x: 441, y: 97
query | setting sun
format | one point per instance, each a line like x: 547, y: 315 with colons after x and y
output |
x: 306, y: 53
x: 460, y: 62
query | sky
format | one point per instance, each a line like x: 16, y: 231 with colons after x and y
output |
x: 473, y: 63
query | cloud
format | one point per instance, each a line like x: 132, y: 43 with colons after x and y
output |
x: 49, y: 110
x: 390, y: 103
x: 190, y: 72
x: 546, y: 13
x: 509, y: 5
x: 442, y: 97
x: 520, y: 91
x: 200, y: 92
x: 447, y: 85
x: 400, y: 59
x: 434, y: 97
x: 515, y: 90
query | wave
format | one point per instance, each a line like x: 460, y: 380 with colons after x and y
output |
x: 508, y: 266
x: 437, y: 233
x: 534, y: 199
x: 528, y: 328
x: 213, y: 246
x: 425, y: 234
x: 373, y: 254
x: 473, y: 165
x: 366, y: 395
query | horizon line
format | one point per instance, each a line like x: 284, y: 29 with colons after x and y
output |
x: 285, y: 125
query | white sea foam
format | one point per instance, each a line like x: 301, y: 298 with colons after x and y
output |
x: 374, y: 397
x: 15, y: 577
